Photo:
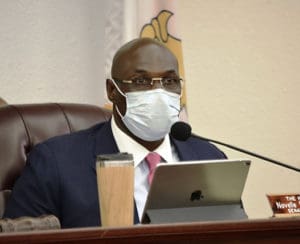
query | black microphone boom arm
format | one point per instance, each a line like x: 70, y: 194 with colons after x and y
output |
x: 250, y: 153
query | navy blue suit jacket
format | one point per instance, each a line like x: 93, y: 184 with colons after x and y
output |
x: 60, y: 175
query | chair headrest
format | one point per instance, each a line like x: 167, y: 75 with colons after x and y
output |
x: 24, y: 125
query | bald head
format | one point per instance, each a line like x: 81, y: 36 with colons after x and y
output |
x: 143, y: 55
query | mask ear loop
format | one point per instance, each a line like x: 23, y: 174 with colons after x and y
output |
x: 122, y: 93
x: 118, y: 88
x: 181, y: 86
x: 180, y: 97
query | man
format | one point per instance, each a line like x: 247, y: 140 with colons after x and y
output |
x: 60, y: 176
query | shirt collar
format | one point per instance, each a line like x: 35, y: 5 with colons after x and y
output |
x: 126, y: 144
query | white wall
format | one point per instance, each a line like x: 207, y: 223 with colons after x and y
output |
x: 52, y: 51
x: 242, y: 62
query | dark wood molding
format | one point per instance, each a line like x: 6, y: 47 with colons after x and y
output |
x: 282, y: 230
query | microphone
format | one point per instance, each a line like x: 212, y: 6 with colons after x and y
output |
x: 182, y: 131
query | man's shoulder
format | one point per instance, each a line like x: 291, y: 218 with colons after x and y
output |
x: 74, y: 139
x: 197, y: 142
x: 197, y: 149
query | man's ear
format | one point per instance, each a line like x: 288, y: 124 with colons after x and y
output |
x: 110, y: 90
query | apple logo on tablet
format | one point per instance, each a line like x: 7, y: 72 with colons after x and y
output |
x: 196, y: 195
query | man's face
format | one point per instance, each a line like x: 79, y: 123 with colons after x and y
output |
x: 140, y: 59
x: 145, y: 61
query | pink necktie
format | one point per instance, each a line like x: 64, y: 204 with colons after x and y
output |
x: 152, y: 160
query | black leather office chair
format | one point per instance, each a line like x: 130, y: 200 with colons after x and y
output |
x: 24, y: 125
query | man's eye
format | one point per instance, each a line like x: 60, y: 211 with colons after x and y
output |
x: 140, y: 81
x: 170, y: 81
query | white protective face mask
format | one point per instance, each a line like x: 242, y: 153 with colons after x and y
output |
x: 150, y: 114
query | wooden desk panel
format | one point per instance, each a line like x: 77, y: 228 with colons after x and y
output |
x: 271, y: 231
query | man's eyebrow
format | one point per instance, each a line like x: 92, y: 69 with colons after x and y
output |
x: 141, y: 71
x: 171, y: 71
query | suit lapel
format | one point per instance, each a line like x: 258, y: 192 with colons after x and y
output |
x: 184, y: 150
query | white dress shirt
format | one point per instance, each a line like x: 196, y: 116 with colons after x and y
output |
x: 126, y: 144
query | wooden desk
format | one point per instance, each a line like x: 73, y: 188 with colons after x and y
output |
x: 251, y: 231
